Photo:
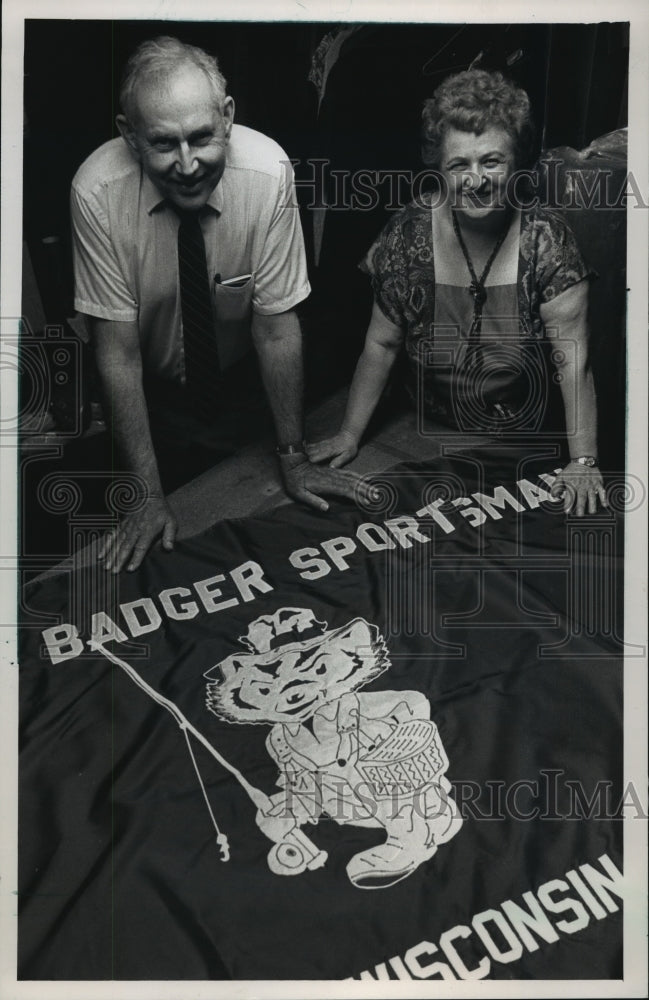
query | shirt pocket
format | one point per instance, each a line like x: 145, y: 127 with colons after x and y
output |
x: 232, y: 318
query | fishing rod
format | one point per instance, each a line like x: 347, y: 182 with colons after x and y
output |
x: 291, y: 853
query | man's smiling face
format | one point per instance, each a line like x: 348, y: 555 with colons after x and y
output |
x: 180, y: 132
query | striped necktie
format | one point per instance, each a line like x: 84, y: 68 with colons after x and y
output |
x: 202, y: 369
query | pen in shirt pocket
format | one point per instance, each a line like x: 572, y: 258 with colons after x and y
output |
x: 235, y: 282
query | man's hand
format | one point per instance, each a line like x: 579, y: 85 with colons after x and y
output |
x: 305, y: 481
x: 341, y: 449
x: 580, y: 486
x: 129, y: 542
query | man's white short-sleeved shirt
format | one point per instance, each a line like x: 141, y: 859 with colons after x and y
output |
x: 125, y: 247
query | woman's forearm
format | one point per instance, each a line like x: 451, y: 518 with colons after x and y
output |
x: 578, y: 392
x: 370, y: 378
x: 566, y: 317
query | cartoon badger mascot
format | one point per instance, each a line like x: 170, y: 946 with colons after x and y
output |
x: 370, y: 759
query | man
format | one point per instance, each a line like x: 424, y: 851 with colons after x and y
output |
x: 184, y: 223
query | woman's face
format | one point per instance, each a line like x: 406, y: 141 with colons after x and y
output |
x: 477, y: 169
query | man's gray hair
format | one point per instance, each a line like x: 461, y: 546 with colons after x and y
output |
x: 156, y: 59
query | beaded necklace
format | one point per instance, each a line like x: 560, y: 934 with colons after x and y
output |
x: 477, y: 286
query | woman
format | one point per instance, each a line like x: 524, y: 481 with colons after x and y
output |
x: 471, y: 283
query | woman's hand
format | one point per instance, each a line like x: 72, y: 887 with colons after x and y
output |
x: 341, y: 449
x: 580, y: 486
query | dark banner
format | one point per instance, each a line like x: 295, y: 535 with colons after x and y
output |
x: 378, y: 744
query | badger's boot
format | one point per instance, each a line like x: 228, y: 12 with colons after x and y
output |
x: 415, y: 826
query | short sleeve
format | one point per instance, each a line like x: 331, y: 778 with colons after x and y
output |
x: 559, y: 262
x: 100, y: 288
x: 281, y: 279
x: 387, y: 264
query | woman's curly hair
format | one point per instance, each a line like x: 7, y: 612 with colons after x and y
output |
x: 474, y: 101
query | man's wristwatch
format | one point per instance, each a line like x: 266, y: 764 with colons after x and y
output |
x: 292, y: 448
x: 588, y: 460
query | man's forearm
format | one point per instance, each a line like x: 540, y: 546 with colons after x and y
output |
x: 119, y: 364
x: 128, y: 424
x: 278, y: 340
